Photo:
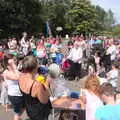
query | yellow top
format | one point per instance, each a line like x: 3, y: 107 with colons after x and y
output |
x: 41, y: 79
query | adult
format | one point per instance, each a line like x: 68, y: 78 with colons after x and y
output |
x: 23, y: 40
x: 24, y: 44
x: 41, y: 53
x: 113, y: 74
x: 35, y: 93
x: 110, y: 111
x: 112, y: 50
x: 54, y: 49
x: 12, y: 45
x: 32, y: 43
x: 75, y: 60
x: 11, y: 76
x: 91, y: 97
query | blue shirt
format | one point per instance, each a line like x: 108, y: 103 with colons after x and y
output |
x: 108, y: 112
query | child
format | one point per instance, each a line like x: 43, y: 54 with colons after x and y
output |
x: 4, y: 95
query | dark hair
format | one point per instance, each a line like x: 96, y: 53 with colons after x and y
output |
x: 7, y: 57
x: 98, y: 53
x: 116, y: 65
x: 107, y: 89
x: 29, y: 64
x: 91, y: 61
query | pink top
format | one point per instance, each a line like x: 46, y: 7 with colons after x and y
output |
x: 92, y: 103
x: 97, y: 60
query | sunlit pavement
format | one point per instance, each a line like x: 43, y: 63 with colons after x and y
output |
x: 8, y: 115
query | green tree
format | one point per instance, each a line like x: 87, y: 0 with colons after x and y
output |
x: 55, y: 11
x: 116, y: 31
x: 110, y: 19
x: 82, y: 16
x: 17, y: 16
x: 104, y: 20
x: 101, y: 18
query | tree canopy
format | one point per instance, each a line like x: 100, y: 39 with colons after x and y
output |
x: 17, y: 16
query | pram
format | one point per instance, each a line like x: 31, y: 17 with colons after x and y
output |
x: 68, y: 72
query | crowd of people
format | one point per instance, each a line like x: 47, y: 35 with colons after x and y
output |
x: 26, y: 77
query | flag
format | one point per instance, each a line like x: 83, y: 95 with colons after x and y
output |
x: 48, y: 30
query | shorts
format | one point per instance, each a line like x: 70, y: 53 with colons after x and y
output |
x: 18, y: 103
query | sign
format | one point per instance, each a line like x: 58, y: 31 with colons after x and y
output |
x: 59, y: 28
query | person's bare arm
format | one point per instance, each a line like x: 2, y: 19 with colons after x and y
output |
x: 42, y: 93
x: 12, y: 75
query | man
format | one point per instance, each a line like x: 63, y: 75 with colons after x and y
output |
x: 110, y: 111
x: 75, y: 60
x: 112, y: 50
x: 24, y: 44
x: 12, y: 45
x: 23, y: 40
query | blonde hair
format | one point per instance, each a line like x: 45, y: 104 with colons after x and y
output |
x: 92, y: 83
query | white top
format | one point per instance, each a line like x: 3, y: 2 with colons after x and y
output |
x: 13, y: 87
x: 92, y: 103
x: 76, y: 54
x: 22, y: 42
x: 112, y: 50
x: 40, y: 53
x: 113, y: 75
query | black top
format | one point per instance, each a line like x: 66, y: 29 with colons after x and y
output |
x: 35, y: 109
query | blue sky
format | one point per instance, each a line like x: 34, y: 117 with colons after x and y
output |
x: 114, y: 5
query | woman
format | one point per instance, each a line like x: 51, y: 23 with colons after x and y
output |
x: 41, y: 53
x: 54, y: 49
x: 113, y: 74
x: 11, y: 76
x: 36, y: 94
x: 97, y: 61
x: 91, y: 97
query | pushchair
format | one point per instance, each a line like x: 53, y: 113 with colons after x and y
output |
x: 68, y: 72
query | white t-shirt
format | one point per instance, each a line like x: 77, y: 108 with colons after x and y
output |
x: 76, y: 54
x: 112, y: 50
x: 113, y: 74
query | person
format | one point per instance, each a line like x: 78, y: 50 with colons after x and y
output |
x: 4, y: 96
x: 35, y: 93
x: 24, y: 44
x: 113, y: 74
x: 70, y: 45
x: 41, y: 53
x: 97, y: 61
x: 12, y: 45
x: 75, y: 60
x: 112, y: 51
x: 32, y: 43
x: 90, y: 96
x: 11, y: 76
x: 23, y: 40
x: 54, y: 49
x: 111, y: 110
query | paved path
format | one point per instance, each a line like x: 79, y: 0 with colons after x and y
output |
x: 8, y: 115
x: 73, y: 85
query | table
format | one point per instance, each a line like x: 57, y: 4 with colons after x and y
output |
x: 67, y: 108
